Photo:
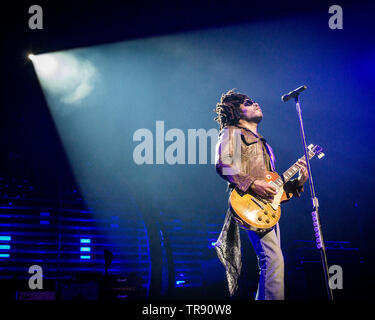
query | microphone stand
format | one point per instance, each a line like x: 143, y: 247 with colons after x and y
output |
x: 315, y: 203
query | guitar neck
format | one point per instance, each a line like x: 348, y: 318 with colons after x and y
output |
x: 288, y: 174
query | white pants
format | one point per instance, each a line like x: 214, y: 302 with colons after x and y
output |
x: 271, y: 264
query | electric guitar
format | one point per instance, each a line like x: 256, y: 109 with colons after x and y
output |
x: 256, y: 213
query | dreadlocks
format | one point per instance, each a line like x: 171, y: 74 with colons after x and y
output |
x: 228, y: 108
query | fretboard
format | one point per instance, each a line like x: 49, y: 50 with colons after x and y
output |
x: 288, y: 174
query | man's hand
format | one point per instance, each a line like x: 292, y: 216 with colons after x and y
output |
x: 303, y: 174
x: 262, y: 188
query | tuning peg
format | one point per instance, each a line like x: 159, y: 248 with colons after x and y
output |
x: 320, y: 155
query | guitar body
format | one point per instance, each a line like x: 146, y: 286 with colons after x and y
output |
x: 255, y: 213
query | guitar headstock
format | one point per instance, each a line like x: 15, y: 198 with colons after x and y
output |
x: 315, y: 150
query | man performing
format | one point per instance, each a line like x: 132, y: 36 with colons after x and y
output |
x: 238, y: 117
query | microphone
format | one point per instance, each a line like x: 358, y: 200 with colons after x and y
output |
x: 293, y: 94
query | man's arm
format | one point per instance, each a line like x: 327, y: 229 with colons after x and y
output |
x: 228, y: 158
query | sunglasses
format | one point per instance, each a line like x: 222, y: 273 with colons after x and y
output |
x: 249, y: 102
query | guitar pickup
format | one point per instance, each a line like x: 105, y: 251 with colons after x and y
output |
x: 257, y: 202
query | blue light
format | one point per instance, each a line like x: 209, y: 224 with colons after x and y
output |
x: 4, y: 247
x: 4, y: 255
x: 213, y: 244
x: 180, y: 282
x: 44, y: 222
x: 86, y: 249
x: 5, y: 238
x: 85, y: 240
x: 85, y: 257
x: 45, y: 214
